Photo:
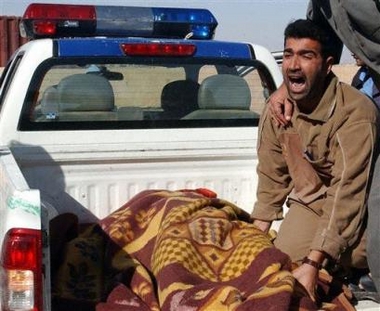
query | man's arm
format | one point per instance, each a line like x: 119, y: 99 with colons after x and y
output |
x: 274, y: 182
x: 280, y: 107
x: 344, y: 210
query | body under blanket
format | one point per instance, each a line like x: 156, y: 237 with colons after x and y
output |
x: 181, y: 250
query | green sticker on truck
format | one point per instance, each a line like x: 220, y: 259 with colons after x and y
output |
x: 20, y: 203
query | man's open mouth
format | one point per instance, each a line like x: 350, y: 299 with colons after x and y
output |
x: 296, y: 83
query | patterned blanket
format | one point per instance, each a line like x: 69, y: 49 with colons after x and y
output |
x: 182, y: 250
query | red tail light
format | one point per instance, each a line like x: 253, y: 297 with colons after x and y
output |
x: 158, y: 49
x: 21, y: 260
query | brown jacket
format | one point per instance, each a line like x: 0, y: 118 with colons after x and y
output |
x: 322, y: 161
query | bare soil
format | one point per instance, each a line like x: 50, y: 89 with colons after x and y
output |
x: 345, y: 72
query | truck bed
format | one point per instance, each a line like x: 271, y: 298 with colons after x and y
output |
x: 92, y: 188
x: 367, y: 305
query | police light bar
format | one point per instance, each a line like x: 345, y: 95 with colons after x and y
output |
x: 43, y: 20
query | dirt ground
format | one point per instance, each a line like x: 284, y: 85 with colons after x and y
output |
x: 345, y: 72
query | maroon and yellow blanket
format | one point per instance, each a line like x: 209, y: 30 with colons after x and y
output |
x: 181, y: 250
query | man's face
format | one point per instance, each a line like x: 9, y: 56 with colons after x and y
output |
x: 358, y: 61
x: 305, y: 71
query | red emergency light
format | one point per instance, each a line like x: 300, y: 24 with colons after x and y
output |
x: 45, y: 20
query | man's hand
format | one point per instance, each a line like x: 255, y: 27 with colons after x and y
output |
x: 307, y: 276
x: 281, y: 108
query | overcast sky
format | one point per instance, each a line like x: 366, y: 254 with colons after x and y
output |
x: 257, y: 21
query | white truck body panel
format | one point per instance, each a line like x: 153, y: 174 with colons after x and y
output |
x: 104, y: 175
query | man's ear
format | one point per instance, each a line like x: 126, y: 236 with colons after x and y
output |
x: 329, y: 63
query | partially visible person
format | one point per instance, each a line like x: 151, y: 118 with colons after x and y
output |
x: 364, y: 82
x: 357, y: 25
x: 312, y: 164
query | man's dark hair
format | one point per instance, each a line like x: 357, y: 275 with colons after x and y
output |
x: 304, y: 28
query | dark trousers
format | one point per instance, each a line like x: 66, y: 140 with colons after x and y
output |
x: 373, y: 228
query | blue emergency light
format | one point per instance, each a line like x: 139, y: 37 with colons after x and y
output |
x: 43, y: 20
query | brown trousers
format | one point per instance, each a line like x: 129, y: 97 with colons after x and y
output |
x: 297, y: 231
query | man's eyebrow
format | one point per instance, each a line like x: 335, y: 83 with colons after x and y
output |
x: 301, y: 52
x: 307, y: 51
x: 289, y: 50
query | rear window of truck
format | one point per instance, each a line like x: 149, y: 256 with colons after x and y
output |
x: 145, y: 93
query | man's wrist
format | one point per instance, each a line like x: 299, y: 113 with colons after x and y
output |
x: 315, y: 258
x: 312, y: 263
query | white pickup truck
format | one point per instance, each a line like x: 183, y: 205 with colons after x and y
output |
x: 105, y: 102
